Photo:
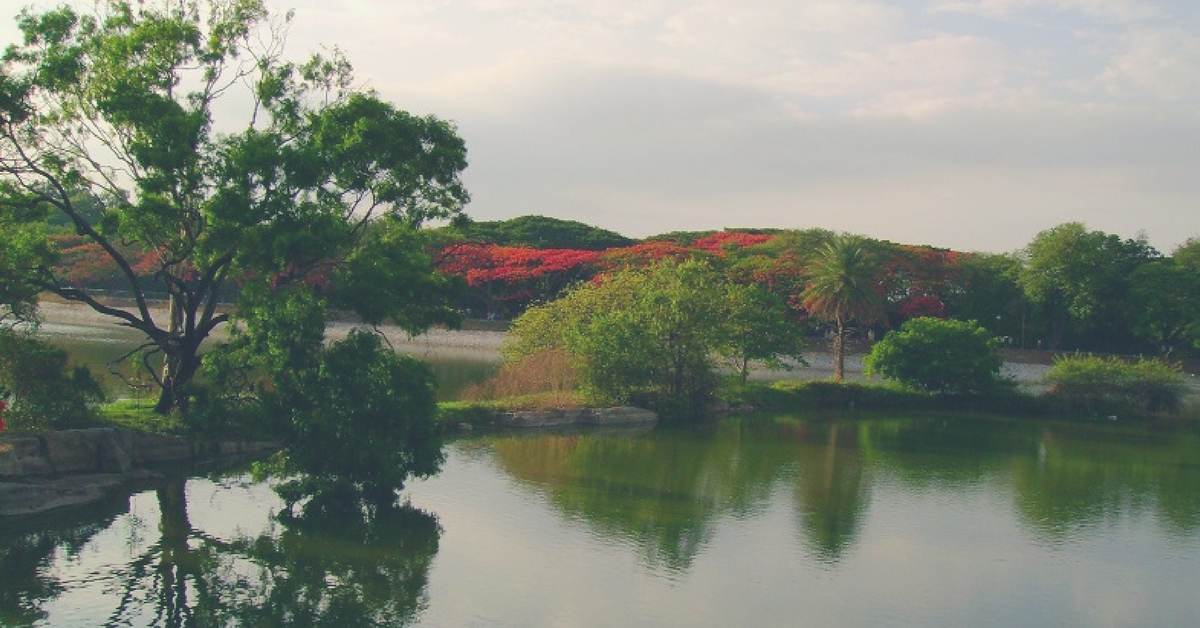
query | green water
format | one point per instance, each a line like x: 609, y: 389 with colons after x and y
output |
x: 912, y: 521
x: 762, y: 521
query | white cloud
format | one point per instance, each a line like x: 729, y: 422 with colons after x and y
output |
x: 1161, y: 63
x: 1110, y: 10
x: 965, y: 123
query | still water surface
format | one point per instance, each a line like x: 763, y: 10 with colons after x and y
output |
x: 761, y: 521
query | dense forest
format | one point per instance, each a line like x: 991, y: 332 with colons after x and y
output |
x: 1070, y: 288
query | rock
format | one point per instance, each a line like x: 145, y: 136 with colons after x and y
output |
x: 97, y: 450
x: 22, y: 455
x: 42, y: 495
x: 572, y: 416
x: 159, y: 449
x: 621, y: 416
x: 73, y: 467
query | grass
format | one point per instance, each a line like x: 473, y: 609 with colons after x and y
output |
x: 138, y: 415
x: 830, y: 395
x: 480, y: 413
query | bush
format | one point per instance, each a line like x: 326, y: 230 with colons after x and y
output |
x: 1094, y: 384
x: 644, y: 337
x: 45, y: 393
x: 938, y: 356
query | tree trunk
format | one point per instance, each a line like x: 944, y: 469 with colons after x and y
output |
x: 180, y: 360
x: 839, y: 351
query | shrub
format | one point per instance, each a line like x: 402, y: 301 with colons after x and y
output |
x: 45, y: 392
x: 938, y: 356
x: 1095, y: 384
x: 641, y: 336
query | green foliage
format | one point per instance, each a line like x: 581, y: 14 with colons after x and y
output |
x: 844, y: 287
x: 44, y: 392
x: 548, y: 326
x: 650, y: 335
x: 23, y: 246
x: 658, y: 350
x: 829, y: 395
x: 809, y: 396
x: 1080, y: 281
x: 987, y: 292
x: 937, y: 356
x: 1169, y: 297
x: 388, y: 279
x: 310, y: 181
x: 360, y: 427
x: 760, y: 329
x: 1094, y: 384
x: 539, y: 232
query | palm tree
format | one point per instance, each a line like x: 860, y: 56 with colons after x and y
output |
x: 843, y: 287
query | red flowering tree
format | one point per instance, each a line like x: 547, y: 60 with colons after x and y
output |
x: 918, y: 279
x: 644, y: 255
x: 723, y: 242
x: 503, y: 280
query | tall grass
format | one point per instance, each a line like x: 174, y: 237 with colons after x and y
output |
x: 546, y: 379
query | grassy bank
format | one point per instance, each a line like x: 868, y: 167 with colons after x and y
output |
x: 794, y: 396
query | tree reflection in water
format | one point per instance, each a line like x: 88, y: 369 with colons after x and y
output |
x: 831, y: 490
x: 666, y: 490
x: 28, y: 548
x: 350, y: 570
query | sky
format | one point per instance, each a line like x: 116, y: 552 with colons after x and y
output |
x: 967, y: 124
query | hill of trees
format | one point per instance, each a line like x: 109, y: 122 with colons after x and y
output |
x: 1070, y: 288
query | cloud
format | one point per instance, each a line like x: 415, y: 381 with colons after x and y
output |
x: 965, y: 123
x: 1161, y: 63
x: 643, y: 153
x: 1109, y: 10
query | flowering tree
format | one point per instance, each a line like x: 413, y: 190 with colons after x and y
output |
x: 508, y: 278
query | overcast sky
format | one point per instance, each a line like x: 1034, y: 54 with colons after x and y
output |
x: 970, y: 124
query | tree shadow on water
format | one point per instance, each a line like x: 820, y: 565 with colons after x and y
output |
x: 316, y: 568
x: 355, y: 569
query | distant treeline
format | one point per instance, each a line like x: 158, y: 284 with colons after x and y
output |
x: 1069, y: 289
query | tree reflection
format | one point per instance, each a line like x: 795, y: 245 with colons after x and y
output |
x: 831, y: 490
x: 28, y: 548
x: 662, y: 491
x: 345, y: 570
x: 1081, y: 476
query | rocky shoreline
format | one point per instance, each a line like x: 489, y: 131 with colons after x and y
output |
x: 52, y: 470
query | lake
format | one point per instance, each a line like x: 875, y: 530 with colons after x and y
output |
x: 758, y: 521
x: 797, y: 520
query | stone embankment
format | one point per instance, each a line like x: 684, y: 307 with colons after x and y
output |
x: 574, y: 416
x: 44, y: 472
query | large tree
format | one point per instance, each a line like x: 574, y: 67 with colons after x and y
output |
x: 1167, y: 292
x: 1080, y: 281
x: 844, y: 288
x: 303, y: 178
